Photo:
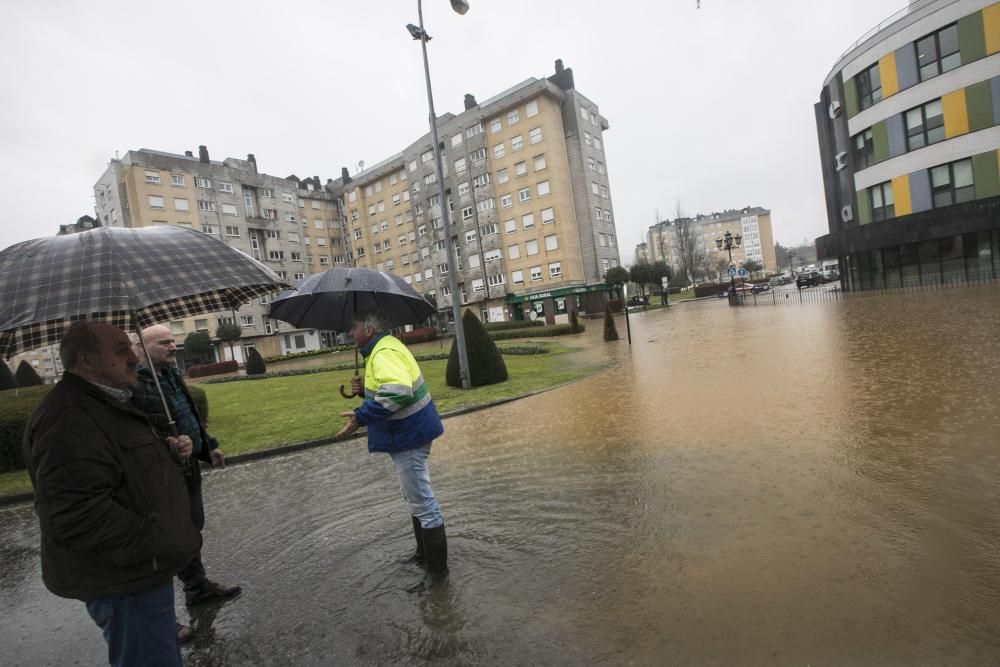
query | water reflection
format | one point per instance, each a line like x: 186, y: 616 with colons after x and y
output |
x: 810, y: 484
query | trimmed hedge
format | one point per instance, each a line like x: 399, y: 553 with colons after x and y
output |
x: 310, y: 353
x: 486, y: 364
x: 421, y: 335
x: 536, y: 332
x: 255, y: 364
x: 212, y: 369
x: 512, y: 324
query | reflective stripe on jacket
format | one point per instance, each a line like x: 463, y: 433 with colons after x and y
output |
x: 398, y: 409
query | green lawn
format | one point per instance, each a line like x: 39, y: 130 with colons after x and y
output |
x: 260, y: 414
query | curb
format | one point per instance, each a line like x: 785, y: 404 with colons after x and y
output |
x: 236, y: 459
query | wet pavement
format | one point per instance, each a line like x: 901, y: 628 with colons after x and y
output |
x: 807, y: 484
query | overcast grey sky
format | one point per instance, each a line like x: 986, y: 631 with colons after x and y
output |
x: 711, y: 106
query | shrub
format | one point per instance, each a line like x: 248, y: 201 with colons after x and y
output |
x: 198, y: 345
x: 574, y: 322
x: 200, y: 400
x: 535, y: 332
x: 421, y: 335
x: 512, y: 324
x: 26, y: 376
x: 212, y: 369
x: 610, y: 331
x: 709, y: 290
x: 616, y: 305
x: 7, y: 380
x: 255, y: 364
x: 309, y: 353
x: 16, y: 406
x: 486, y: 365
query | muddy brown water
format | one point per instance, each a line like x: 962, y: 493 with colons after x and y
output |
x: 799, y: 485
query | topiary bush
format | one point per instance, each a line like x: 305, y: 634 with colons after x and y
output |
x: 255, y: 364
x: 200, y: 400
x: 7, y: 380
x: 486, y: 364
x: 574, y: 323
x: 16, y: 406
x: 610, y: 331
x: 26, y: 376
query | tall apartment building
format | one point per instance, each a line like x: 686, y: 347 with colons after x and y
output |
x: 909, y: 135
x: 753, y: 223
x: 289, y: 224
x: 529, y: 200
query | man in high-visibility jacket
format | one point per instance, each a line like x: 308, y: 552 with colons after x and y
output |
x: 402, y: 422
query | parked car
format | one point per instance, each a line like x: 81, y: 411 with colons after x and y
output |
x: 639, y: 301
x: 830, y: 275
x: 808, y: 279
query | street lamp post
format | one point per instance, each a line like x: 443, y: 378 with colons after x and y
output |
x: 727, y: 243
x: 460, y: 6
x: 791, y: 255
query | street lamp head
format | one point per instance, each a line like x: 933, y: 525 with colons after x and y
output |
x: 739, y: 238
x: 718, y: 243
x: 460, y: 6
x: 417, y: 33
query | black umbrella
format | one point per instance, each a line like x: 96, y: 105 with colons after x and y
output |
x: 130, y: 278
x: 329, y: 300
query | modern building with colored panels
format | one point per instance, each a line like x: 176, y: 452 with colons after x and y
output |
x: 528, y: 198
x: 753, y: 223
x: 909, y: 135
x: 292, y: 225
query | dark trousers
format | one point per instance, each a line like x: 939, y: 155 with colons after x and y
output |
x: 193, y: 573
x: 140, y: 629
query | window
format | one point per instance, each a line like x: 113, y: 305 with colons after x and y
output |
x: 938, y: 52
x: 442, y: 268
x: 595, y: 189
x: 463, y: 189
x: 157, y: 202
x: 536, y: 273
x: 509, y: 226
x: 506, y: 201
x: 492, y: 255
x: 543, y: 189
x: 516, y: 144
x: 486, y: 205
x: 535, y: 135
x: 324, y: 260
x: 604, y: 191
x: 460, y: 165
x: 489, y: 230
x: 539, y: 162
x: 202, y: 182
x: 600, y: 167
x: 412, y: 166
x: 361, y: 251
x: 229, y: 209
x: 422, y: 231
x: 548, y: 216
x: 478, y: 155
x: 551, y: 242
x: 389, y: 265
x: 232, y: 231
x: 177, y: 179
x: 318, y: 224
x: 528, y: 221
x: 456, y: 140
x: 531, y: 247
x: 383, y: 225
x: 481, y: 180
x: 226, y: 187
x: 517, y: 277
x: 473, y: 261
x: 531, y: 108
x: 428, y: 274
x: 181, y: 204
x: 869, y: 87
x: 924, y: 125
x: 357, y: 234
x: 378, y: 186
x: 296, y: 256
x: 246, y: 320
x: 952, y: 183
x: 209, y: 229
x: 592, y: 164
x: 864, y: 149
x: 439, y: 245
x: 598, y: 214
x: 498, y: 151
x: 293, y: 237
x: 597, y: 143
x: 513, y: 118
x: 474, y: 130
x: 275, y: 255
x: 153, y: 177
x: 524, y: 194
x: 385, y: 245
x: 520, y: 169
x: 430, y: 178
x: 381, y: 206
x: 467, y: 212
x: 514, y: 251
x: 555, y: 269
x: 502, y: 176
x: 290, y: 217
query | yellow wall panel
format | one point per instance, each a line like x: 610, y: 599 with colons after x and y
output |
x: 887, y: 70
x: 901, y: 195
x: 991, y: 26
x: 956, y: 115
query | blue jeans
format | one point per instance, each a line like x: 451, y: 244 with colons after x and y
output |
x: 415, y: 481
x: 140, y: 629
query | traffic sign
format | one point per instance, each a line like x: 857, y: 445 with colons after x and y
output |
x: 744, y: 273
x: 732, y: 270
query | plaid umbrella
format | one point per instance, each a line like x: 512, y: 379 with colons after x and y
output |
x: 131, y: 278
x: 329, y: 300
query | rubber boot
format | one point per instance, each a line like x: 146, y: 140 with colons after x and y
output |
x: 436, y: 550
x: 418, y: 555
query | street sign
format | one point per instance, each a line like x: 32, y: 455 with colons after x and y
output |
x: 665, y: 282
x: 732, y: 270
x: 744, y: 273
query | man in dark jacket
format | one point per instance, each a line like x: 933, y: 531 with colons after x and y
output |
x: 110, y: 499
x: 198, y: 588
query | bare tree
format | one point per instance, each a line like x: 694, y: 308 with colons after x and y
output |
x: 689, y: 247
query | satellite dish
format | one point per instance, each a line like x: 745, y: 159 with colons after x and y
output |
x: 361, y: 165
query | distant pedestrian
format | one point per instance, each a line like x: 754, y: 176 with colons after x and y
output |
x: 110, y: 499
x: 198, y: 588
x: 402, y: 422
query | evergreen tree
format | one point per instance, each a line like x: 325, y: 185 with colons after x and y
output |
x: 26, y: 376
x: 198, y: 345
x: 229, y: 333
x: 610, y: 331
x: 486, y: 364
x: 255, y: 363
x: 574, y: 322
x: 7, y: 380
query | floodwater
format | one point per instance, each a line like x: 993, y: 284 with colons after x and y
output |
x: 801, y: 485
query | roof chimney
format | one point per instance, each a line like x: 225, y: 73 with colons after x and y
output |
x: 345, y: 175
x: 188, y: 154
x: 252, y: 160
x: 470, y: 101
x: 203, y: 154
x: 559, y: 66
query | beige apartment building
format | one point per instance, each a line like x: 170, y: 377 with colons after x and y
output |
x: 529, y: 201
x: 292, y: 225
x: 752, y: 223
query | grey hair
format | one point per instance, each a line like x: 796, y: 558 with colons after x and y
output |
x: 79, y: 339
x: 373, y: 318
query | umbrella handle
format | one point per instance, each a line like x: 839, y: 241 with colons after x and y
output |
x: 345, y: 394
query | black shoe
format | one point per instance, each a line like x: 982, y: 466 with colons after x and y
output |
x: 209, y: 591
x: 436, y: 549
x: 418, y: 555
x: 184, y: 634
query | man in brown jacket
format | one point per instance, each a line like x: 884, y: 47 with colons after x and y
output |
x: 110, y: 499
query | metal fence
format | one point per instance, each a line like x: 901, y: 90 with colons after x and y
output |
x: 824, y: 293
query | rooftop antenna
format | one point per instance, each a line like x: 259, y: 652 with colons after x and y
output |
x: 361, y: 166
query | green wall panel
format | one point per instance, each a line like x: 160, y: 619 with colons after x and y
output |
x: 971, y: 38
x: 864, y: 208
x: 850, y: 97
x: 979, y: 102
x: 986, y: 175
x: 880, y: 137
